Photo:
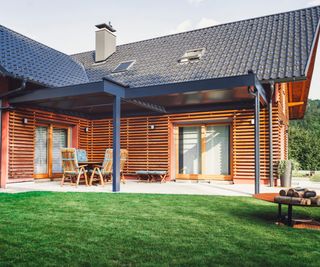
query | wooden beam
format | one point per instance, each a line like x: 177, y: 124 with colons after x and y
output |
x: 294, y: 104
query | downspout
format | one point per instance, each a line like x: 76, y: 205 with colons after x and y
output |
x: 6, y: 94
x: 271, y: 136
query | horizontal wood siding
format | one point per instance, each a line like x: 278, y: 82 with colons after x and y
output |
x: 21, y: 138
x: 149, y: 148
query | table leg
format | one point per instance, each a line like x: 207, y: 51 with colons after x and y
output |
x: 290, y: 215
x: 279, y: 212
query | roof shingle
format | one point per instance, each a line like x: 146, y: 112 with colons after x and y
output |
x: 25, y: 58
x: 274, y: 47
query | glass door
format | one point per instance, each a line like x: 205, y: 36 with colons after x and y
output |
x: 47, y: 156
x: 41, y: 152
x: 203, y: 152
x: 217, y: 150
x: 189, y: 150
x: 59, y: 140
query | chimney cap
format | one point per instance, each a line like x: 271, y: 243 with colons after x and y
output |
x: 106, y: 26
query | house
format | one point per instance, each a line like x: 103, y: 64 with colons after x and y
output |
x: 208, y: 104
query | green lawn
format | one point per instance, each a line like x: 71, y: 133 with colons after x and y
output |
x: 134, y: 229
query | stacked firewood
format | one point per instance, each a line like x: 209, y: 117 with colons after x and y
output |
x: 298, y: 196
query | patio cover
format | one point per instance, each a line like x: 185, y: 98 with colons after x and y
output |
x: 103, y: 99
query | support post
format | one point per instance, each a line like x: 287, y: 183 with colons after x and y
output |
x: 116, y: 144
x: 4, y: 145
x: 270, y: 138
x: 257, y: 142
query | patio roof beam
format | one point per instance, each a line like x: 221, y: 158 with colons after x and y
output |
x: 147, y: 105
x: 105, y: 86
x: 59, y: 92
x: 195, y: 86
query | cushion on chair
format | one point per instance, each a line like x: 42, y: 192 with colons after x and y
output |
x: 82, y: 155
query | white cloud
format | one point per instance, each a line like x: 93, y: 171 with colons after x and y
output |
x: 185, y: 25
x: 195, y: 2
x: 205, y: 22
x: 314, y: 3
x: 188, y: 25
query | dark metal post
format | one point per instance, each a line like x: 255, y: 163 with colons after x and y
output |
x: 270, y: 138
x: 257, y: 142
x: 116, y: 144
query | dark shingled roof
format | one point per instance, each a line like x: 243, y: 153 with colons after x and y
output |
x: 274, y: 47
x: 23, y: 57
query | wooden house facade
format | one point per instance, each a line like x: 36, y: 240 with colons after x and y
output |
x: 230, y: 125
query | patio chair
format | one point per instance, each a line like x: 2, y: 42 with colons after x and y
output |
x: 71, y: 168
x: 82, y: 155
x: 104, y: 172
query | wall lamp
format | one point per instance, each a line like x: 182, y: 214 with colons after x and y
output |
x: 86, y: 129
x: 25, y: 120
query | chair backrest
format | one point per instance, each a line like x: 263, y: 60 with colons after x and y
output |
x: 107, y: 162
x: 123, y: 158
x: 108, y: 159
x: 69, y: 160
x: 82, y: 155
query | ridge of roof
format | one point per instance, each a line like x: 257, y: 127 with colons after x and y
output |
x: 204, y: 28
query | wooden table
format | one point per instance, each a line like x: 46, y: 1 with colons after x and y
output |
x: 270, y: 198
x: 90, y: 163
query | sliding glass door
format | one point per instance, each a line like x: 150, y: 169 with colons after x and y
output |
x: 189, y: 150
x: 59, y: 140
x: 203, y: 152
x: 41, y: 151
x: 217, y: 150
x: 47, y: 156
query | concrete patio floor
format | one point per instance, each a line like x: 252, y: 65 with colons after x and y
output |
x: 191, y: 188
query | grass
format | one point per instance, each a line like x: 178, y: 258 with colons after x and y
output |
x: 97, y: 229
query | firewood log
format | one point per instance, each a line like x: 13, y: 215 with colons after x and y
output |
x: 283, y: 192
x: 297, y: 192
x: 308, y: 194
x: 315, y: 200
x: 292, y: 200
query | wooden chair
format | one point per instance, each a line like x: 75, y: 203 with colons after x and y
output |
x: 71, y: 168
x: 104, y: 172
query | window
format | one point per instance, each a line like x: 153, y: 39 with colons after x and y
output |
x: 192, y: 55
x: 203, y: 152
x: 124, y: 66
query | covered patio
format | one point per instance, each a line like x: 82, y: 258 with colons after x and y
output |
x: 108, y: 98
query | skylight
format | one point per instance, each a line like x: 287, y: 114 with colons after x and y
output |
x: 192, y: 55
x: 124, y: 66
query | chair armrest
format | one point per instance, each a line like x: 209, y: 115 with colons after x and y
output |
x: 81, y: 166
x: 98, y: 166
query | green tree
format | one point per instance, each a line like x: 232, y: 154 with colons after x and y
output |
x: 304, y: 138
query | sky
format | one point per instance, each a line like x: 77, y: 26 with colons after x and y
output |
x: 68, y: 25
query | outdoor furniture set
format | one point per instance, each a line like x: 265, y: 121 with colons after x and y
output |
x: 76, y: 166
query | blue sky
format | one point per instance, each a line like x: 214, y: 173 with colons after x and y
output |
x: 68, y: 25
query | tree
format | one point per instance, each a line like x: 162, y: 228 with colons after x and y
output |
x: 304, y: 138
